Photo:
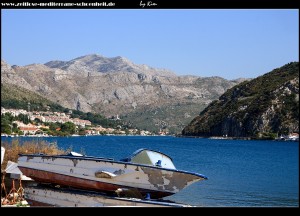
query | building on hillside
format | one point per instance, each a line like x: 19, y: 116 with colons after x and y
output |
x: 29, y: 130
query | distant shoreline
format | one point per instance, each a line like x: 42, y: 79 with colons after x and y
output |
x: 170, y: 135
x: 217, y: 137
x: 233, y: 138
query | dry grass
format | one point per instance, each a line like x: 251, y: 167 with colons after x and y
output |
x: 12, y: 149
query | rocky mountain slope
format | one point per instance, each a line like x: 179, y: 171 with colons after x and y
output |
x: 261, y: 108
x: 147, y: 97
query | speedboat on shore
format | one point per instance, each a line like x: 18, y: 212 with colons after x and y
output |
x: 146, y: 171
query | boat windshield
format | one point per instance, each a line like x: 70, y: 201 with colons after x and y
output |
x: 150, y: 157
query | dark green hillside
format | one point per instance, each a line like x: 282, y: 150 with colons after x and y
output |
x: 170, y: 118
x: 13, y: 96
x: 263, y: 107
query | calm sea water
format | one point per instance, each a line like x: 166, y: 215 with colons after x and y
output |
x: 240, y: 172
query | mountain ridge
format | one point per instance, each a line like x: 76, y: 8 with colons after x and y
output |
x: 122, y: 88
x: 97, y: 63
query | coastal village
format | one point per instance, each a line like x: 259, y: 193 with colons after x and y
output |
x: 41, y: 118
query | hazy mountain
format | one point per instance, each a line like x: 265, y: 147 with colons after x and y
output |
x: 97, y: 63
x: 147, y: 97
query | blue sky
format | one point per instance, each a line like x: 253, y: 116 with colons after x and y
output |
x: 227, y: 43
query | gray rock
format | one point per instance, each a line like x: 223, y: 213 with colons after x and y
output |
x: 116, y: 86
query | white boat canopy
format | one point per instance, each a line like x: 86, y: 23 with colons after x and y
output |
x: 150, y: 157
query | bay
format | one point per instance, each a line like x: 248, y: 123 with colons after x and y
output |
x: 241, y: 173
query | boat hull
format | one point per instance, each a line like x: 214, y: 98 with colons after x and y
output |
x: 45, y: 196
x: 75, y: 182
x: 2, y: 154
x: 106, y: 175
